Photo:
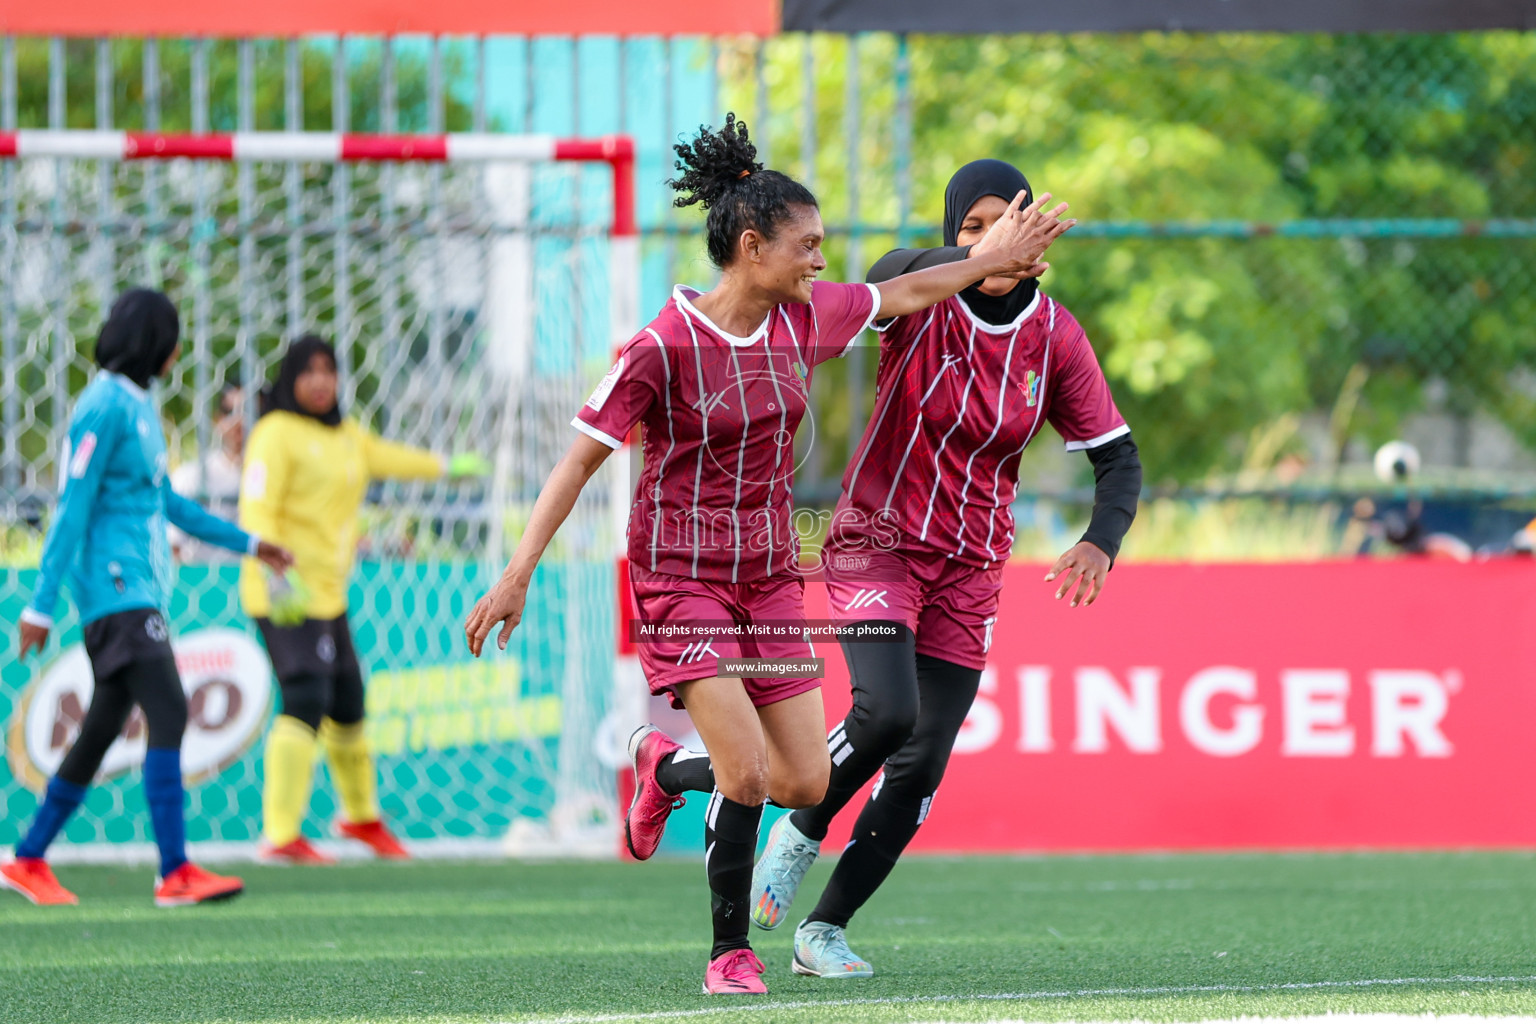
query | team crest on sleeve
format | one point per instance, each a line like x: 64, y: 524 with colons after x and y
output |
x: 605, y: 386
x: 81, y: 460
x: 255, y: 482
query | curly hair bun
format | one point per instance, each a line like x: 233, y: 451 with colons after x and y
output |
x: 713, y: 163
x: 720, y: 172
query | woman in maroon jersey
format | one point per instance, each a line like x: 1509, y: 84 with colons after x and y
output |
x: 919, y: 538
x: 719, y: 380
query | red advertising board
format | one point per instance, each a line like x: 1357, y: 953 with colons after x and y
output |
x: 386, y: 17
x: 1350, y: 704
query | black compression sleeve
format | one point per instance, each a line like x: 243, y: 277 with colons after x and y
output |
x: 1116, y: 487
x: 904, y: 261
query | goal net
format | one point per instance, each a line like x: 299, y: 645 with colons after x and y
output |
x: 475, y: 287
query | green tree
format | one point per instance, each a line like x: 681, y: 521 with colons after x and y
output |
x: 1206, y: 339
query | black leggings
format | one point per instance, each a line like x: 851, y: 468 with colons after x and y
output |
x: 310, y: 697
x: 153, y: 685
x: 907, y: 710
x: 317, y: 669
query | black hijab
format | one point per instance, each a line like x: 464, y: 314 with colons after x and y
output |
x: 139, y: 336
x: 279, y: 394
x: 987, y: 178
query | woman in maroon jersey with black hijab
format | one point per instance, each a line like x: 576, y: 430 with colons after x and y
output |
x: 919, y: 539
x: 719, y: 380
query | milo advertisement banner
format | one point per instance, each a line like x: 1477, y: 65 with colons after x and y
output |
x: 229, y: 695
x: 466, y: 749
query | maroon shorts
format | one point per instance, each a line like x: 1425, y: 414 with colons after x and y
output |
x: 700, y: 615
x: 951, y: 606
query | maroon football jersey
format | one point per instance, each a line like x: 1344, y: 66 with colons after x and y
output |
x: 719, y: 414
x: 956, y: 402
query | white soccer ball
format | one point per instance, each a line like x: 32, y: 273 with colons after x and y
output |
x: 1396, y: 461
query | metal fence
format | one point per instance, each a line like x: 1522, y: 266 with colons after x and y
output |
x: 463, y: 321
x: 1336, y: 228
x: 1293, y: 246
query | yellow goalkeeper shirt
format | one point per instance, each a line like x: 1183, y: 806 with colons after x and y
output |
x: 302, y: 487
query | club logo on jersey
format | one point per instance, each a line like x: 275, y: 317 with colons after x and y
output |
x: 1031, y: 389
x: 605, y: 386
x: 867, y: 599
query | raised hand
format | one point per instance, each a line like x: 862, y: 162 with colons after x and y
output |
x: 1023, y: 233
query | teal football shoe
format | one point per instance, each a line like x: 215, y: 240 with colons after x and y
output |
x: 821, y: 950
x: 777, y: 875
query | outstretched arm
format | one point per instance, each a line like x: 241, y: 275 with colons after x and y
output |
x: 905, y: 261
x: 192, y: 519
x: 1013, y: 247
x: 389, y: 460
x: 504, y: 601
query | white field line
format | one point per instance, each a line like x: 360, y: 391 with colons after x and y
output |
x: 1008, y: 997
x: 1335, y: 1018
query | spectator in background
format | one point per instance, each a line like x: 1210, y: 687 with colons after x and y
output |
x: 214, y: 479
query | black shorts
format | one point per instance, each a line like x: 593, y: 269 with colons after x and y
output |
x: 315, y: 647
x: 113, y: 642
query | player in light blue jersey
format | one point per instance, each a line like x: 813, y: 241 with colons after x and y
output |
x: 108, y: 542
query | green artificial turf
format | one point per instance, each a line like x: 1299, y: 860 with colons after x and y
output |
x: 975, y: 939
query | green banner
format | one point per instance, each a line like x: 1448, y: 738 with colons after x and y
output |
x: 464, y: 747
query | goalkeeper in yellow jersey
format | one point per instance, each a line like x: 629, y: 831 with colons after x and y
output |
x: 306, y: 472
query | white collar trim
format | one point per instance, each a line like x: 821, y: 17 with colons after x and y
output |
x: 681, y: 293
x: 982, y: 325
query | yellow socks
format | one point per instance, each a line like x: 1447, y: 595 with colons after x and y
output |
x: 351, y: 770
x: 290, y: 772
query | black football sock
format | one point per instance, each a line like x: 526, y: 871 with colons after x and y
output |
x: 885, y: 709
x: 883, y: 830
x: 730, y: 841
x: 686, y: 771
x: 901, y: 800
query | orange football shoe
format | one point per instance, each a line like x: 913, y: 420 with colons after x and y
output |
x: 378, y: 837
x: 297, y: 852
x: 190, y: 884
x: 33, y: 878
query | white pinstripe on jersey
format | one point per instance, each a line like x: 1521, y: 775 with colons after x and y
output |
x: 1045, y: 372
x: 965, y: 397
x: 661, y: 470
